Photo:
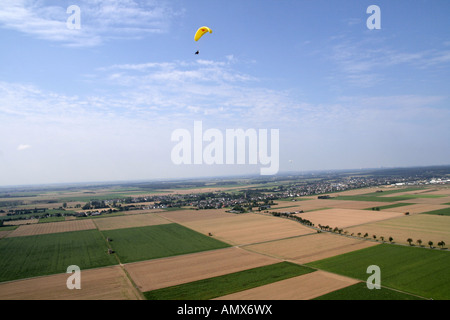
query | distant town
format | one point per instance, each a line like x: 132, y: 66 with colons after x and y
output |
x: 256, y: 195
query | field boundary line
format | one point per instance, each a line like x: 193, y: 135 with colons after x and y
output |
x: 121, y: 265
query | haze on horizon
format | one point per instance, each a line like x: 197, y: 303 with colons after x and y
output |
x: 100, y: 103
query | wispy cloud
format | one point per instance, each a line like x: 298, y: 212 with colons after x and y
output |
x: 366, y: 64
x: 22, y: 147
x: 208, y: 88
x: 101, y: 20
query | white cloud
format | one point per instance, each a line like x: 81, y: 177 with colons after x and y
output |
x: 101, y: 20
x: 73, y: 137
x: 365, y: 64
x: 22, y: 147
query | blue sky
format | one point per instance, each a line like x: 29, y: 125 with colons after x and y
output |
x: 100, y: 103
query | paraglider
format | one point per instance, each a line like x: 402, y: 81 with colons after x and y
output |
x: 200, y: 33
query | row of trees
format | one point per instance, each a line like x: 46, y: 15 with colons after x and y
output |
x: 306, y: 222
x: 430, y: 243
x: 366, y: 235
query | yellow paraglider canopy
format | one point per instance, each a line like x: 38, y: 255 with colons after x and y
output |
x: 200, y: 32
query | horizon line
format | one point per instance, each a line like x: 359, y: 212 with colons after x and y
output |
x: 193, y: 178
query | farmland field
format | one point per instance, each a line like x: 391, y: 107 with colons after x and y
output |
x: 373, y: 198
x: 181, y: 252
x: 417, y: 271
x: 159, y: 273
x: 151, y: 242
x: 108, y: 283
x: 230, y: 283
x: 31, y: 256
x: 303, y: 287
x: 52, y: 227
x: 440, y: 212
x: 239, y: 229
x: 390, y: 206
x: 418, y: 208
x: 424, y: 227
x: 346, y: 217
x: 309, y: 248
x: 360, y: 291
x: 129, y: 221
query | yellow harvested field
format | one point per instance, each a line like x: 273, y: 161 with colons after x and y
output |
x: 444, y: 190
x: 343, y: 218
x: 52, y: 227
x: 142, y: 211
x: 421, y: 226
x: 359, y: 205
x: 305, y: 205
x: 165, y: 272
x: 199, y: 190
x: 308, y: 205
x: 310, y: 248
x: 305, y: 287
x: 109, y: 283
x: 129, y: 221
x: 418, y: 207
x: 249, y: 228
x: 186, y: 216
x: 237, y: 229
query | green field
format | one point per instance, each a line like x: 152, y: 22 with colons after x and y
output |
x: 31, y: 256
x: 8, y: 228
x: 418, y: 271
x: 360, y: 291
x: 219, y: 286
x: 395, y: 205
x: 144, y: 243
x: 440, y: 212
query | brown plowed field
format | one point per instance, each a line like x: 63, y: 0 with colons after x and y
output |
x: 52, y: 227
x: 305, y: 287
x: 108, y: 283
x: 310, y: 248
x: 161, y: 273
